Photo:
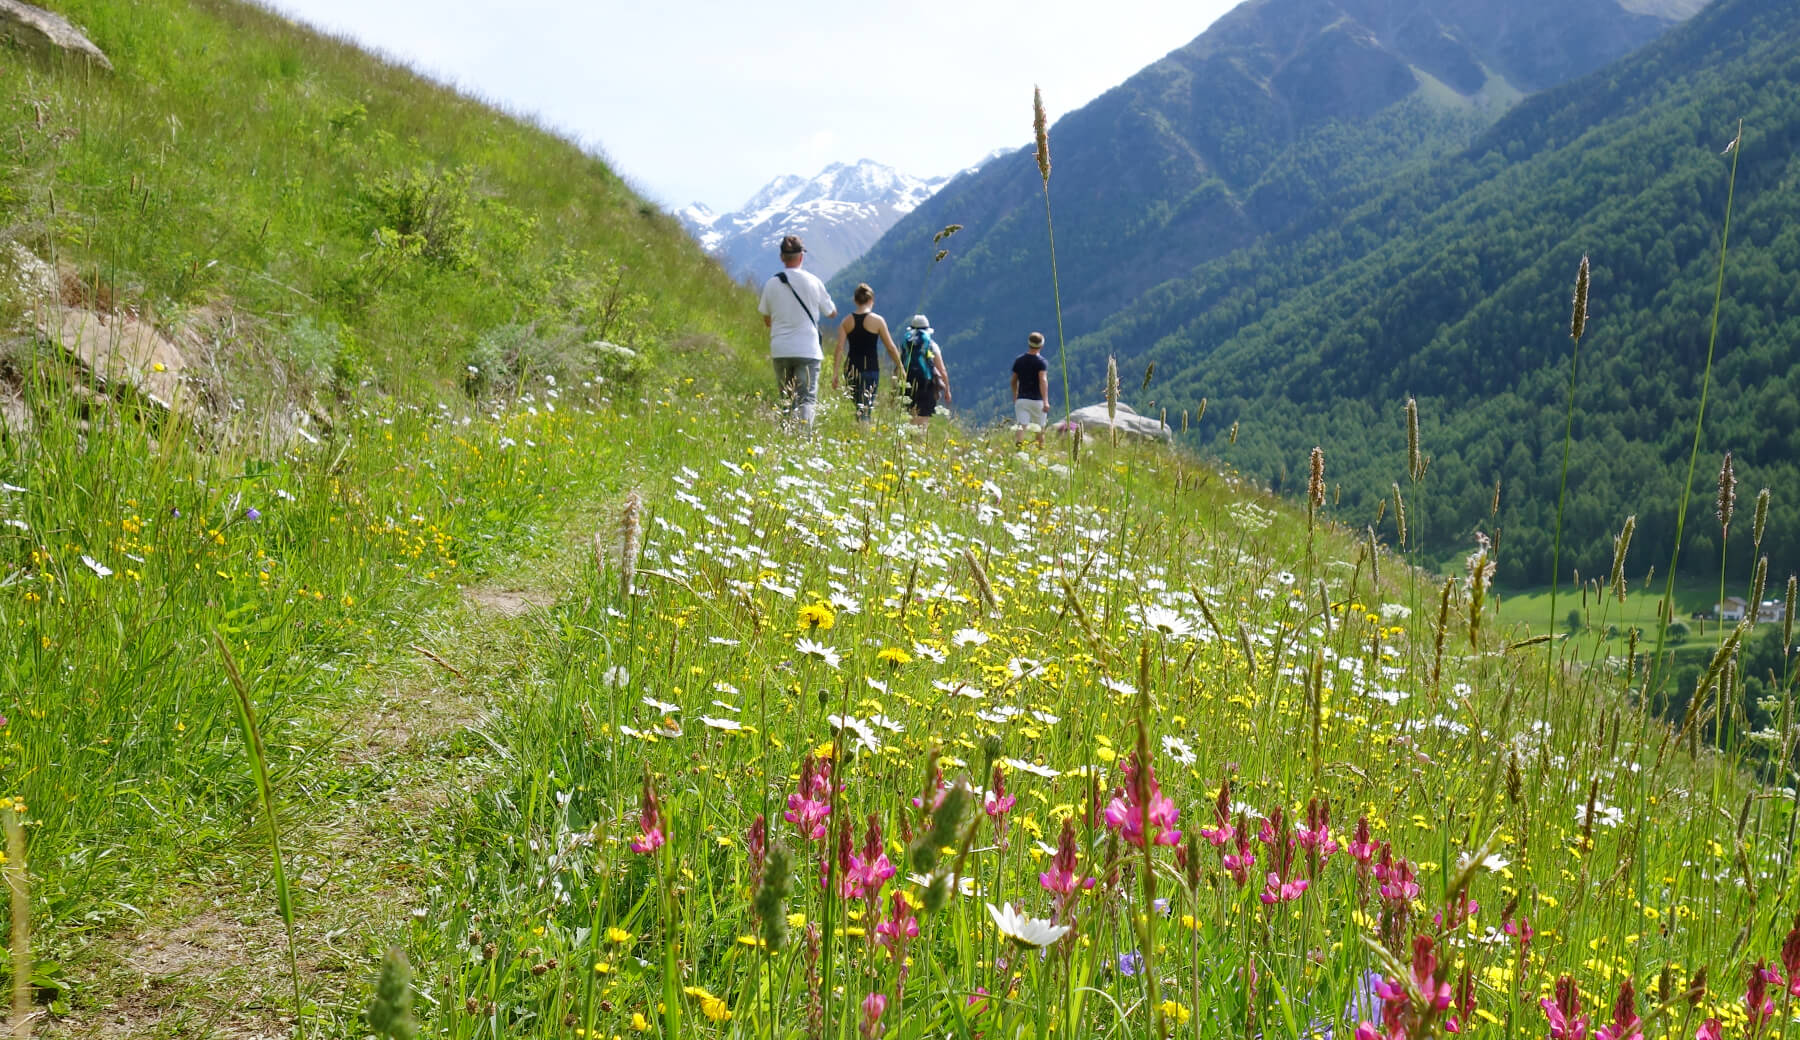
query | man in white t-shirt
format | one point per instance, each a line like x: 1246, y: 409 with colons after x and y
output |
x: 792, y: 305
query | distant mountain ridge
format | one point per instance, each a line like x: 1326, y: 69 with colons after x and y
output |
x: 840, y: 212
x: 1263, y: 122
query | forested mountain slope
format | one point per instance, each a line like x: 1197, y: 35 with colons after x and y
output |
x: 1253, y: 127
x: 1453, y: 285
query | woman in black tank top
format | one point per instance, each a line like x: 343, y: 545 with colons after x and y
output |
x: 860, y: 332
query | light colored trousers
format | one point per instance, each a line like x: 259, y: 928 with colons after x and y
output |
x: 797, y: 381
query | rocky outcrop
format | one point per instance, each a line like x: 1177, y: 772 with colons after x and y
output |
x: 118, y: 349
x: 1095, y: 420
x: 39, y: 29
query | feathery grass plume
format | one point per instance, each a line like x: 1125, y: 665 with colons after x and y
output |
x: 1374, y: 562
x: 1112, y: 388
x: 1234, y: 429
x: 1481, y: 574
x: 1040, y: 132
x: 1443, y: 627
x: 981, y: 581
x: 1315, y: 480
x: 1724, y: 653
x: 1206, y: 612
x: 630, y: 525
x: 1759, y: 584
x: 1712, y: 342
x: 939, y: 256
x: 1621, y: 544
x: 1415, y: 463
x: 18, y: 881
x: 1727, y: 495
x: 1577, y: 325
x: 1040, y: 128
x: 1399, y: 517
x: 771, y: 898
x: 390, y: 1013
x: 946, y: 232
x: 1494, y: 507
x: 1578, y: 317
x: 1075, y: 445
x: 1184, y: 423
x: 1761, y: 520
x: 1380, y: 512
x: 1201, y: 414
x: 1787, y: 616
x: 1246, y: 648
x: 1149, y: 370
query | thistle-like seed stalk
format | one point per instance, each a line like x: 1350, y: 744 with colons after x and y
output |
x: 1415, y: 463
x: 1727, y: 495
x: 1621, y: 543
x: 1578, y: 319
x: 1040, y: 126
x: 630, y: 524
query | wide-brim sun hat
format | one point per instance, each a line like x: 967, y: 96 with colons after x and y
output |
x: 919, y: 321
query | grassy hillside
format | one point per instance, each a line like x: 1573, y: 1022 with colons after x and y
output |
x: 608, y: 708
x: 357, y: 221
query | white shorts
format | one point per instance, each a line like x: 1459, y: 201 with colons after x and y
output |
x: 1030, y: 413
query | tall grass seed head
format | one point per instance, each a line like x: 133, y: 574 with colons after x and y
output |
x: 1112, y: 388
x: 1315, y: 481
x: 1578, y: 316
x: 1761, y: 520
x: 1040, y: 126
x: 1727, y: 494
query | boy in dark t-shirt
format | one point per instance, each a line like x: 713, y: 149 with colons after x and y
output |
x: 1031, y: 390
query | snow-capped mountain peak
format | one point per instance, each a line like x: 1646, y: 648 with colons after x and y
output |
x: 840, y: 212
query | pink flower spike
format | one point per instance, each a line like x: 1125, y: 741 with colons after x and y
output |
x: 1564, y: 1012
x: 873, y: 1006
x: 1625, y: 1024
x: 649, y: 821
x: 1711, y: 1029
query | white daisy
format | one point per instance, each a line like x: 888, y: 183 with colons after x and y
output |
x: 97, y: 567
x: 1034, y: 932
x: 1178, y: 749
x: 1119, y: 686
x: 969, y: 637
x: 1034, y: 769
x: 616, y: 677
x: 1167, y: 622
x: 728, y: 725
x: 865, y: 737
x: 819, y: 651
x: 663, y: 706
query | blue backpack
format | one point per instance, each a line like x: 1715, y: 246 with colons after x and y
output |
x: 916, y: 351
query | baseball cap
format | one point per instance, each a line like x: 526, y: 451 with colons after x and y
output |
x: 792, y: 246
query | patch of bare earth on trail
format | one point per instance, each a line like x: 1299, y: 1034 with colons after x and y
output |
x: 509, y: 603
x: 211, y: 960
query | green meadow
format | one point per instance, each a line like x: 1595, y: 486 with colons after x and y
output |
x: 551, y: 684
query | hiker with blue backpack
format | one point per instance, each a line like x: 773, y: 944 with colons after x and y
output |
x: 922, y: 363
x: 792, y: 304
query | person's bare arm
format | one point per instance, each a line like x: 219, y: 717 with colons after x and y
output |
x: 1044, y: 389
x: 943, y: 376
x: 887, y: 340
x: 1015, y: 386
x: 837, y: 355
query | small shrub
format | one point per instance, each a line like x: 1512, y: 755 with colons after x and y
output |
x: 425, y: 212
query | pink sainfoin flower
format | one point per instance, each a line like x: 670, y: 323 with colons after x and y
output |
x: 1061, y: 879
x: 756, y: 840
x: 1459, y: 911
x: 873, y: 1006
x: 1790, y: 959
x: 1140, y: 812
x: 1222, y: 832
x: 1521, y: 930
x: 870, y: 870
x: 1564, y: 1011
x: 1625, y: 1024
x: 1238, y: 863
x: 997, y: 803
x: 1398, y: 887
x: 1281, y: 885
x: 650, y: 826
x: 934, y: 793
x: 1400, y: 1016
x: 1711, y: 1029
x: 809, y: 808
x: 899, y: 927
x: 1756, y: 994
x: 838, y: 855
x: 1362, y: 848
x: 1465, y: 1001
x: 1315, y: 838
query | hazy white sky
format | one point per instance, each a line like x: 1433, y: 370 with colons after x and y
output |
x: 707, y: 100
